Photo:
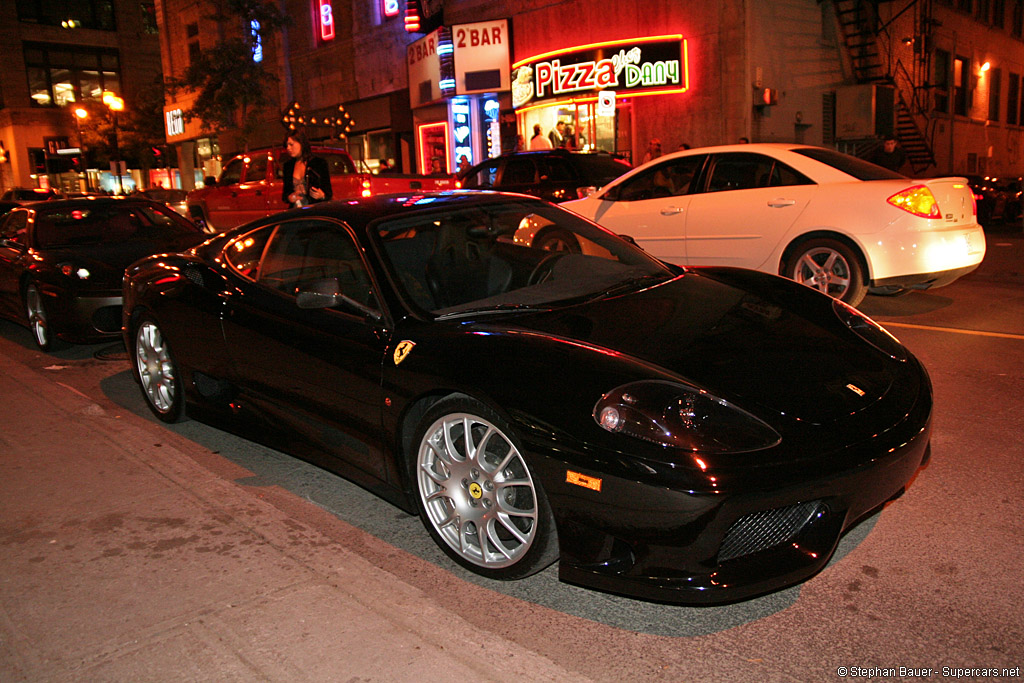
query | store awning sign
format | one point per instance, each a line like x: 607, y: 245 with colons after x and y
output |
x: 641, y: 66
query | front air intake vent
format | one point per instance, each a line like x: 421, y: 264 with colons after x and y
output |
x: 768, y: 528
x: 194, y: 275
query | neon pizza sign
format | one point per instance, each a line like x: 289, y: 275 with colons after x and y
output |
x: 641, y: 66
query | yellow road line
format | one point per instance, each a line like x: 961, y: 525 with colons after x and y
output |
x: 976, y: 333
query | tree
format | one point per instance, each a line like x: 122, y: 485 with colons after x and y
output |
x: 231, y: 87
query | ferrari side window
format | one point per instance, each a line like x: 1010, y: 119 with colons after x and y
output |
x: 244, y: 254
x: 311, y: 254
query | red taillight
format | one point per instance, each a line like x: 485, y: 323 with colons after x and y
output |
x: 917, y: 200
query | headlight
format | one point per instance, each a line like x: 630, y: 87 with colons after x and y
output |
x: 870, y: 331
x: 680, y: 416
x: 69, y: 270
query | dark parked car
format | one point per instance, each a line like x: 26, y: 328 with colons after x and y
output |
x: 23, y: 195
x: 62, y: 262
x: 556, y: 175
x: 997, y: 200
x: 642, y: 424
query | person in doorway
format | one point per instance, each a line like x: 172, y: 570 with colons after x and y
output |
x: 538, y: 141
x: 307, y: 179
x: 653, y: 150
x: 557, y: 135
x: 889, y: 155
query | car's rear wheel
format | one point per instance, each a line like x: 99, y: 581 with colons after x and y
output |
x: 829, y: 266
x: 39, y: 319
x: 157, y: 372
x: 477, y: 495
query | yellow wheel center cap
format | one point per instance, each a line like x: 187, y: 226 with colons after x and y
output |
x: 475, y: 490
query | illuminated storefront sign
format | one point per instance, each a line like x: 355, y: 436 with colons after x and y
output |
x: 641, y: 66
x: 174, y: 122
x: 462, y: 128
x: 326, y: 16
x: 390, y: 8
x: 481, y: 57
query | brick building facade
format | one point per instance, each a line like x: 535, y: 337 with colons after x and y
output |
x: 839, y: 73
x: 57, y: 56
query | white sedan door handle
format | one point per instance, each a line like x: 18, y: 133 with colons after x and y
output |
x: 671, y: 210
x: 780, y: 202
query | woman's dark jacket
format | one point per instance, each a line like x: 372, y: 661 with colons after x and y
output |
x: 317, y: 175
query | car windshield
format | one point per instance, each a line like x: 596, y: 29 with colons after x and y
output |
x: 858, y: 168
x: 508, y: 256
x: 89, y: 225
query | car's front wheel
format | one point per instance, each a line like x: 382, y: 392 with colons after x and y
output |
x: 477, y: 495
x: 829, y: 266
x: 157, y: 372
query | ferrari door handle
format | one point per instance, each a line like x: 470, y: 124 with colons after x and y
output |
x: 778, y: 203
x: 671, y: 210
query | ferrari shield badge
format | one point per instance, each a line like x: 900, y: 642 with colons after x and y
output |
x: 402, y: 350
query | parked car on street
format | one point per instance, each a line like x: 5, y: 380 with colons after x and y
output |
x: 997, y: 200
x: 556, y: 175
x: 23, y: 195
x: 640, y: 423
x: 250, y: 186
x: 62, y: 262
x: 826, y: 219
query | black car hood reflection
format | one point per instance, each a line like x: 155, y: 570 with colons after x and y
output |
x: 733, y: 343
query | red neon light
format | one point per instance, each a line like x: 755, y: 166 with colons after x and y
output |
x: 390, y: 8
x: 326, y: 14
x: 592, y: 46
x: 412, y: 16
x: 421, y: 134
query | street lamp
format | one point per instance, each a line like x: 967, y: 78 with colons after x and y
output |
x: 80, y: 115
x: 115, y: 104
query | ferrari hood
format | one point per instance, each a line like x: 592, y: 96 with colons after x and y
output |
x: 736, y: 344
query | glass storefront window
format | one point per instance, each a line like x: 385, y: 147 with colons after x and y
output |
x: 59, y: 75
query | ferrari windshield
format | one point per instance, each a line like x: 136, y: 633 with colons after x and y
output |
x: 508, y: 256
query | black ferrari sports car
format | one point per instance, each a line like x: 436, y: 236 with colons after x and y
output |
x: 62, y: 262
x: 680, y: 435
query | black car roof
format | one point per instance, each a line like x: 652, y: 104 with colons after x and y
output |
x: 367, y: 209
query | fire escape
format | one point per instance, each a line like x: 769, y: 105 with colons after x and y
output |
x: 865, y: 38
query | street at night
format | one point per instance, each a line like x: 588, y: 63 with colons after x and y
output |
x: 136, y: 550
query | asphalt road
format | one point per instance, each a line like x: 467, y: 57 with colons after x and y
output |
x: 935, y: 581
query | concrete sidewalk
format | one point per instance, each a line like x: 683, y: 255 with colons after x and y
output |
x: 124, y: 559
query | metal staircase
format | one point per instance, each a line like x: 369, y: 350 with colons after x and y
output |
x: 861, y: 28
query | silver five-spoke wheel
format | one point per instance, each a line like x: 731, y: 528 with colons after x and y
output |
x: 37, y: 319
x: 157, y: 372
x: 478, y: 496
x: 830, y: 267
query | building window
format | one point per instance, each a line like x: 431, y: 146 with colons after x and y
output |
x: 982, y: 10
x: 940, y: 79
x: 995, y: 86
x: 999, y: 13
x: 148, y: 17
x: 1017, y: 20
x: 60, y: 74
x: 94, y: 14
x: 961, y: 85
x: 1013, y: 99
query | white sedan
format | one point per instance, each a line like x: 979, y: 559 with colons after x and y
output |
x: 820, y: 217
